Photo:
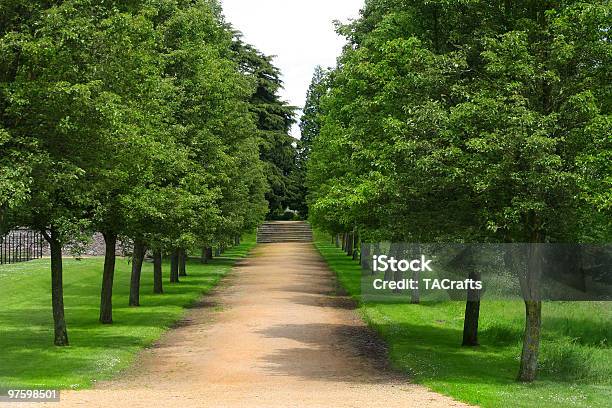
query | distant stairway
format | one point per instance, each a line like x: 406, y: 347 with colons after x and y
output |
x: 284, y: 231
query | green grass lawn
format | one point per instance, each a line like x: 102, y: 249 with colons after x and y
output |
x: 424, y: 341
x: 27, y: 355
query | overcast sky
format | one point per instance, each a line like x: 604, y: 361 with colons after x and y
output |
x: 299, y: 32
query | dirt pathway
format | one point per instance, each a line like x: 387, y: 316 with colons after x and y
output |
x: 274, y: 335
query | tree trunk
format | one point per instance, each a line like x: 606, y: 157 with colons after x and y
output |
x: 174, y: 266
x: 394, y: 251
x: 355, y: 246
x: 337, y: 240
x: 374, y: 251
x: 470, y: 323
x: 108, y: 276
x: 203, y: 257
x: 158, y: 283
x: 531, y: 341
x: 237, y: 240
x: 398, y: 252
x: 209, y: 253
x: 182, y: 262
x: 137, y: 259
x: 349, y: 245
x: 415, y: 295
x: 365, y: 256
x: 57, y: 290
x: 530, y: 286
x: 472, y: 305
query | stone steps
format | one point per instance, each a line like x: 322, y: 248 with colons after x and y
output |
x: 284, y: 231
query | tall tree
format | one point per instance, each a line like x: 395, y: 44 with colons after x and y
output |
x: 310, y: 127
x: 274, y: 119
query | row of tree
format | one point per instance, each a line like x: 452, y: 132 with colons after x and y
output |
x: 467, y: 121
x: 145, y: 119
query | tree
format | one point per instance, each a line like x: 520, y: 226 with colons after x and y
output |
x: 550, y: 97
x: 274, y: 119
x: 53, y: 101
x: 468, y: 122
x: 310, y: 127
x: 127, y: 64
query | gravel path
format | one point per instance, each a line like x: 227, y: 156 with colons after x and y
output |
x: 274, y: 334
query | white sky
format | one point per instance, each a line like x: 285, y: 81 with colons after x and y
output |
x: 299, y: 32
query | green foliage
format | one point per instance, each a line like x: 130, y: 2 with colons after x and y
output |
x: 132, y: 118
x: 467, y: 121
x: 310, y: 122
x: 310, y: 126
x: 15, y: 168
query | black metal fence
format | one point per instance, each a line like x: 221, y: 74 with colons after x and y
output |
x: 21, y: 245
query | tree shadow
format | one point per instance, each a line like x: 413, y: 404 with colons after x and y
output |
x: 594, y: 332
x: 335, y: 302
x: 336, y: 352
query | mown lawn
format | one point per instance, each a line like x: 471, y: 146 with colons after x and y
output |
x: 424, y: 341
x: 27, y: 355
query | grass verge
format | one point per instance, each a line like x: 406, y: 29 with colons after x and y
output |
x: 424, y: 341
x: 28, y: 358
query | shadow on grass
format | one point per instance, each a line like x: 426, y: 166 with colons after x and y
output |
x: 594, y: 330
x: 96, y: 351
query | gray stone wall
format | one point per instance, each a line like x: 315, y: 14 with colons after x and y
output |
x: 95, y: 247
